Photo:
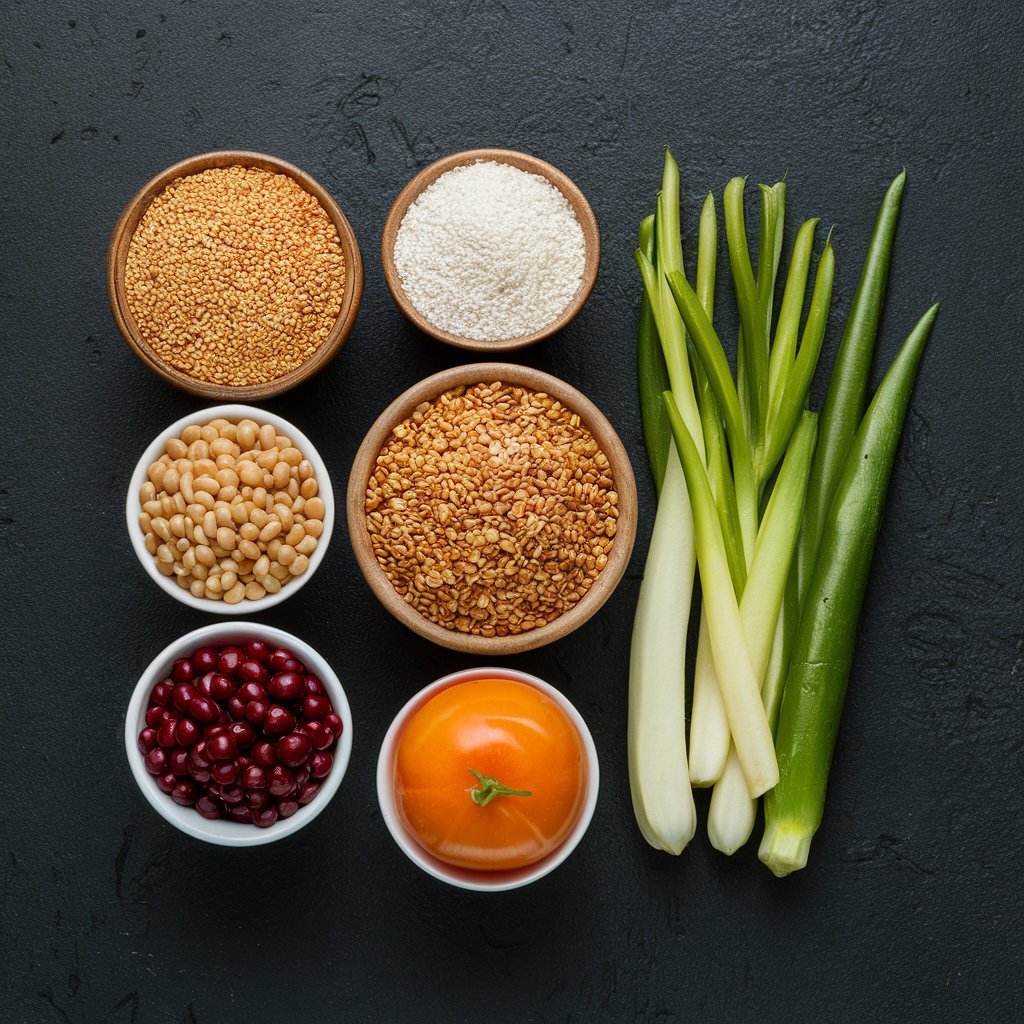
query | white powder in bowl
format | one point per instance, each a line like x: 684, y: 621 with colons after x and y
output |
x: 490, y: 252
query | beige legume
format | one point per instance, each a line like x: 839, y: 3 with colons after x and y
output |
x: 219, y: 540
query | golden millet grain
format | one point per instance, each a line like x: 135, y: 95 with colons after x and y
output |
x: 235, y: 275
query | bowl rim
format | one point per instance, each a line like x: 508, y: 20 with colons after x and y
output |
x: 467, y: 878
x: 117, y: 256
x: 603, y: 432
x: 153, y: 451
x: 221, y: 832
x: 526, y: 162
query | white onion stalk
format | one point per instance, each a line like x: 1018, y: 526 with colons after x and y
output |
x: 740, y: 688
x: 709, y: 728
x: 733, y: 809
x: 656, y: 736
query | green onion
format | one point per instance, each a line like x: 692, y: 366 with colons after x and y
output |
x: 818, y: 674
x: 738, y: 685
x: 656, y: 732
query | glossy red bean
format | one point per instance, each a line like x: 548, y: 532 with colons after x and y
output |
x: 259, y: 650
x: 187, y: 733
x: 182, y: 696
x: 208, y: 808
x: 204, y: 684
x: 162, y: 693
x: 254, y: 777
x: 333, y: 722
x: 167, y: 782
x: 294, y: 665
x: 313, y: 684
x: 197, y: 755
x: 183, y: 671
x: 280, y: 781
x: 224, y: 772
x: 209, y: 731
x: 244, y: 734
x: 229, y: 660
x: 278, y: 659
x: 308, y: 792
x: 165, y: 733
x: 204, y: 660
x: 286, y: 808
x: 287, y: 686
x: 184, y: 793
x: 257, y: 799
x: 320, y: 764
x: 321, y: 737
x: 203, y: 710
x: 279, y: 721
x: 302, y: 776
x: 232, y: 794
x: 236, y: 707
x: 251, y: 671
x: 263, y: 755
x: 265, y: 818
x: 201, y: 775
x: 315, y: 706
x: 250, y: 691
x: 153, y: 715
x: 147, y: 739
x: 256, y: 711
x: 222, y: 747
x: 221, y: 688
x: 239, y: 812
x: 177, y: 761
x: 294, y: 749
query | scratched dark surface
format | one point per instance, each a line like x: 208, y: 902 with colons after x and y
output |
x: 911, y: 907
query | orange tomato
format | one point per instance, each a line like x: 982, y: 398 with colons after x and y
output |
x: 510, y: 733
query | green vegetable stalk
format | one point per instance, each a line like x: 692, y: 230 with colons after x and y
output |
x: 823, y: 653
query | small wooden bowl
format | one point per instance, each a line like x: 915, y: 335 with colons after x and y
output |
x: 118, y: 255
x: 604, y: 434
x: 525, y: 162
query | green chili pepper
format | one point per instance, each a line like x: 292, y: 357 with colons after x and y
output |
x: 823, y: 652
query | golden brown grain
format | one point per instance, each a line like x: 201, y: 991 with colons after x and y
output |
x: 234, y: 276
x: 491, y: 509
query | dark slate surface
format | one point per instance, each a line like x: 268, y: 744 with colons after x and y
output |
x: 911, y: 907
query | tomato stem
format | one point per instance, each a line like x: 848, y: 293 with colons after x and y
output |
x: 490, y: 787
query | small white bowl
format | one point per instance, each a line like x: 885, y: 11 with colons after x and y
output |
x: 466, y: 878
x: 221, y: 831
x: 232, y: 412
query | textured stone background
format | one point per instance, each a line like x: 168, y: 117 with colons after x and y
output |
x: 911, y: 907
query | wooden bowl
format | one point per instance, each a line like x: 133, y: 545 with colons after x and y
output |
x: 593, y: 420
x: 525, y: 162
x: 118, y: 255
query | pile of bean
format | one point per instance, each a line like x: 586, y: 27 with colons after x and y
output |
x: 231, y: 510
x: 492, y: 509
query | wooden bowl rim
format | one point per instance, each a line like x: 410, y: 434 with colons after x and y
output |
x: 603, y: 432
x: 524, y: 161
x: 117, y: 256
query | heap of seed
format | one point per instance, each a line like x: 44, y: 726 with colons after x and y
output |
x: 490, y: 252
x: 491, y: 509
x: 231, y: 511
x: 235, y: 275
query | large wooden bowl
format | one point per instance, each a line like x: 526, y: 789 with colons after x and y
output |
x: 592, y: 419
x: 118, y: 254
x: 525, y: 162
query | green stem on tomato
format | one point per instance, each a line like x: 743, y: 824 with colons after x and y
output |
x: 490, y: 787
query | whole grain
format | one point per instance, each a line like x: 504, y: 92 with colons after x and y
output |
x: 235, y: 275
x: 492, y: 509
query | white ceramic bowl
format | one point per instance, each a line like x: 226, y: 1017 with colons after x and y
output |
x: 466, y: 878
x: 220, y: 831
x: 156, y: 450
